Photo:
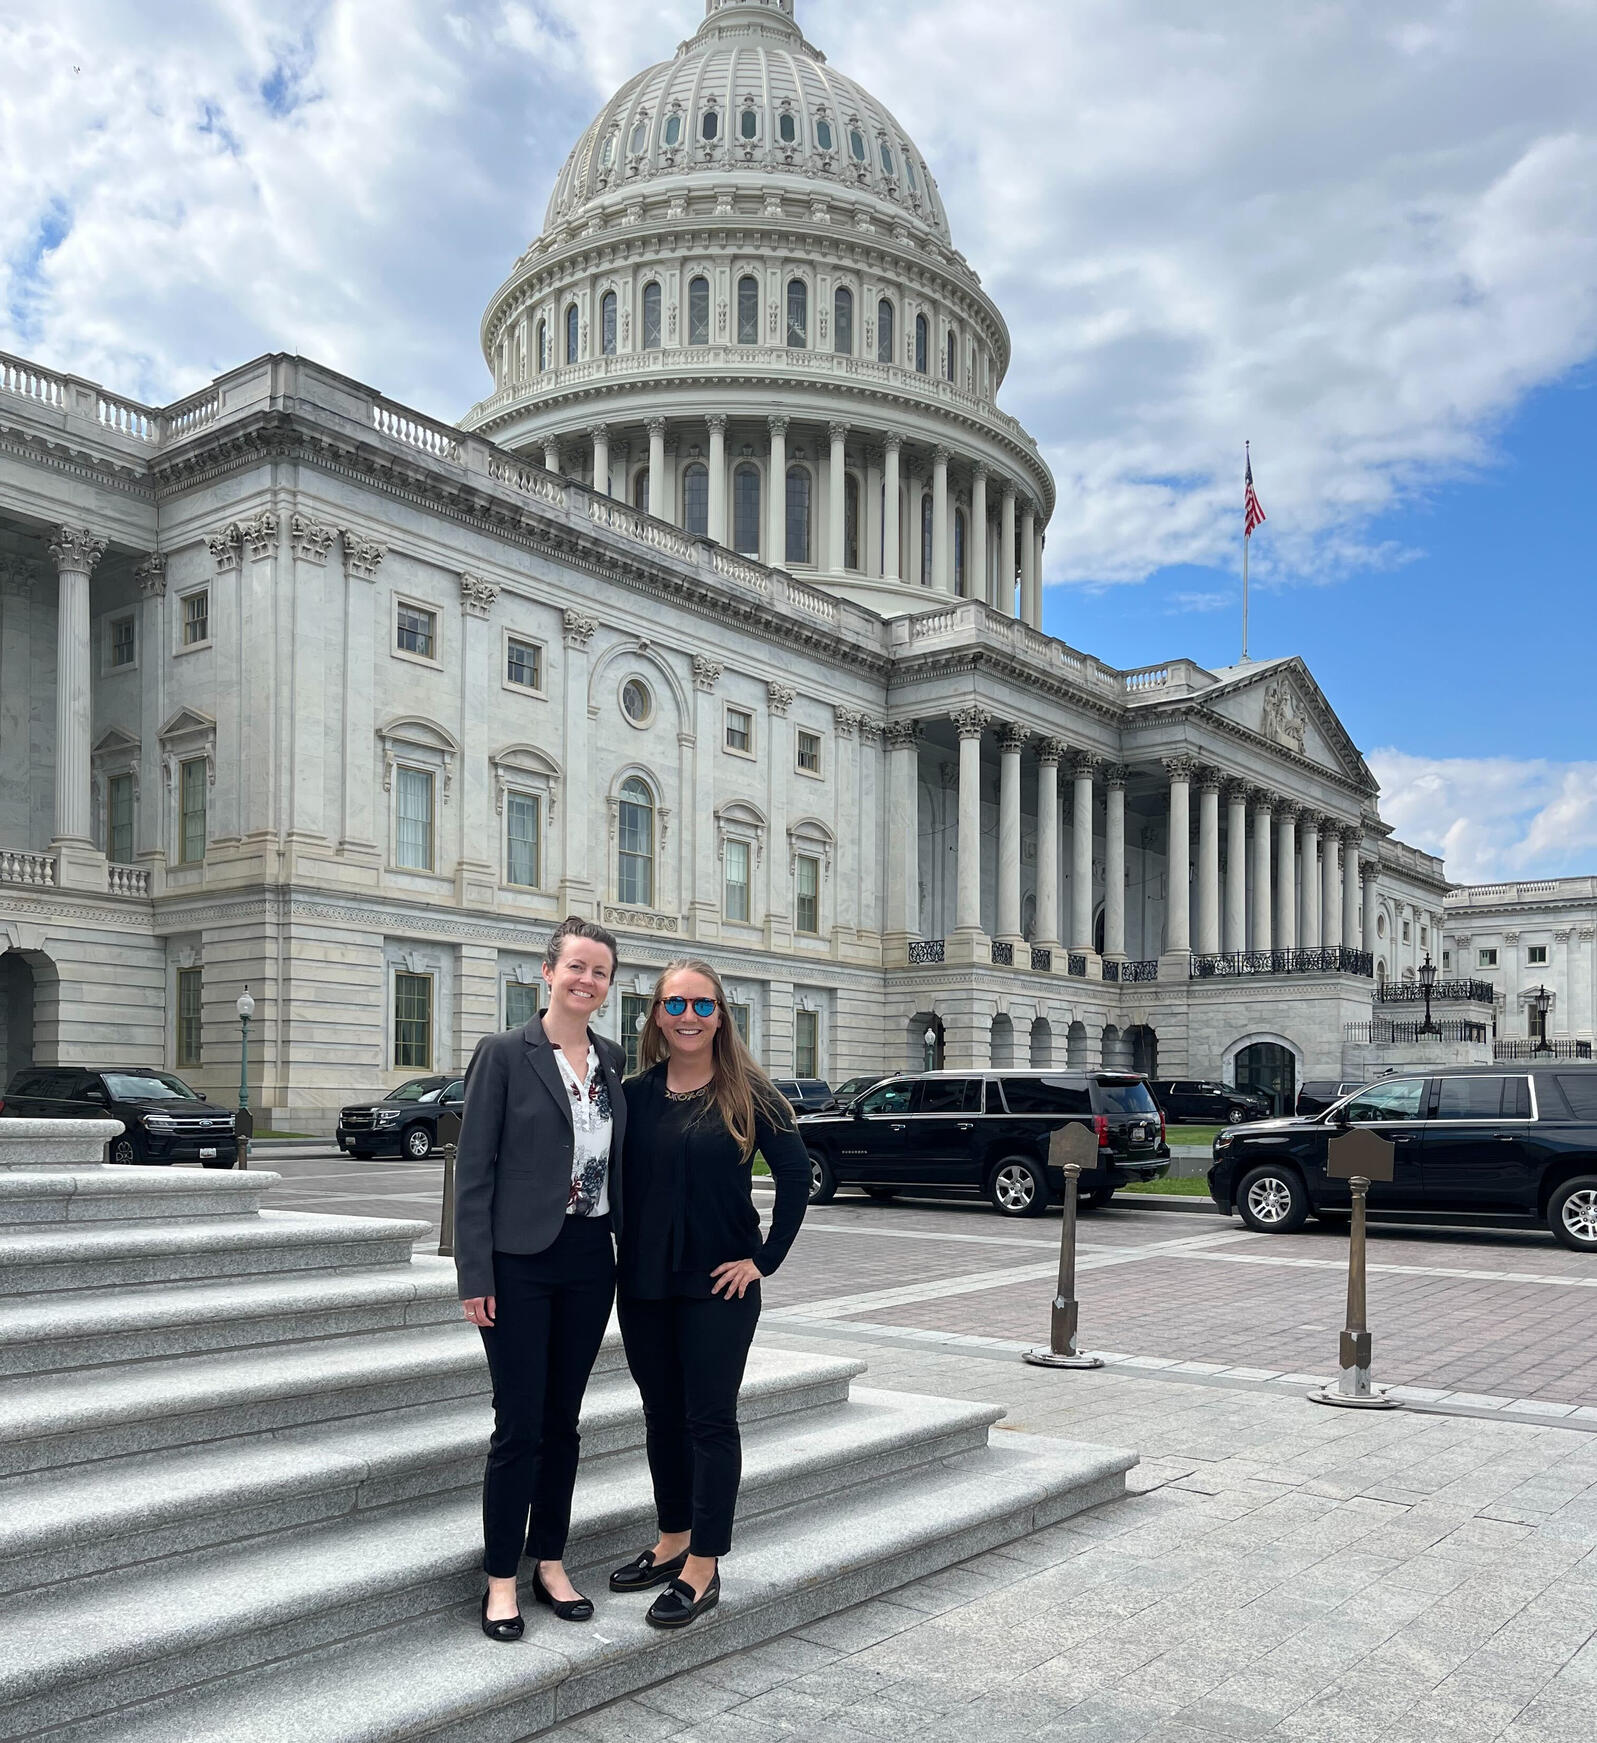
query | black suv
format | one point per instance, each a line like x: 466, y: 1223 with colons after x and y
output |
x: 986, y: 1132
x: 1189, y: 1098
x: 404, y: 1122
x: 1317, y: 1094
x: 163, y: 1120
x: 806, y: 1094
x: 1518, y: 1140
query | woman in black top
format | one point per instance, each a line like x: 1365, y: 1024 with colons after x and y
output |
x: 689, y: 1267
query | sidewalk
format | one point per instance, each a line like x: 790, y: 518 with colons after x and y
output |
x: 1286, y: 1571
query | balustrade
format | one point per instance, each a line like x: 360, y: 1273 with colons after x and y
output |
x: 1565, y: 1047
x: 1456, y: 992
x: 1335, y: 959
x: 925, y: 951
x: 127, y: 880
x: 1382, y: 1032
x: 1132, y: 971
x: 34, y: 869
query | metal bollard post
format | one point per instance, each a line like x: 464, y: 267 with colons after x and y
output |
x: 446, y: 1220
x: 244, y: 1132
x: 1069, y: 1148
x: 1357, y: 1157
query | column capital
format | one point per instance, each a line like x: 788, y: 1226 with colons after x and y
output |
x: 1013, y: 738
x: 901, y: 734
x: 706, y: 673
x: 1181, y: 768
x: 599, y: 432
x: 837, y: 430
x: 655, y: 427
x: 978, y: 471
x: 75, y: 549
x: 1051, y: 750
x: 779, y: 697
x: 1261, y: 798
x: 477, y: 596
x: 151, y: 573
x: 1210, y: 779
x: 1084, y: 765
x: 1310, y: 819
x: 1352, y: 834
x: 361, y: 555
x: 777, y: 426
x: 1011, y: 495
x: 940, y: 456
x: 892, y: 444
x: 579, y: 629
x: 1369, y: 868
x: 1115, y: 775
x: 1287, y: 810
x: 717, y: 423
x: 1235, y: 790
x: 845, y: 720
x: 971, y: 722
x: 309, y: 540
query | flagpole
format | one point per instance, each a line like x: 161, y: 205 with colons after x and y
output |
x: 1244, y: 599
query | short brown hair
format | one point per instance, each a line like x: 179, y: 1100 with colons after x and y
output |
x: 574, y: 926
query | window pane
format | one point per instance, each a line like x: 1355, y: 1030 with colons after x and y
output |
x: 712, y: 123
x: 737, y: 880
x: 521, y: 1004
x: 823, y: 135
x: 696, y: 500
x: 1390, y: 1101
x: 884, y: 332
x: 413, y: 1021
x: 122, y: 641
x: 1046, y: 1095
x: 413, y: 831
x: 543, y: 346
x: 739, y: 729
x: 798, y: 313
x: 1470, y: 1098
x: 807, y: 917
x: 416, y: 631
x: 607, y: 324
x: 947, y: 1095
x: 806, y: 1049
x: 571, y: 334
x: 651, y: 317
x: 787, y: 129
x: 749, y: 124
x: 524, y: 664
x: 809, y: 752
x: 740, y: 1019
x: 640, y: 492
x: 188, y: 1016
x: 191, y: 842
x: 699, y: 312
x: 673, y: 129
x: 197, y: 618
x: 850, y: 521
x: 635, y: 855
x: 748, y: 311
x: 798, y: 515
x: 951, y: 370
x: 921, y: 342
x: 843, y: 323
x: 521, y: 839
x: 856, y: 144
x: 634, y: 1013
x: 959, y: 551
x: 746, y: 511
x: 926, y: 541
x: 119, y: 820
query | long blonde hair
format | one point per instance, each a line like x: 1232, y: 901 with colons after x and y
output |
x: 739, y: 1089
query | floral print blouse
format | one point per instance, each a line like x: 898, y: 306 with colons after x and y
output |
x: 591, y: 1127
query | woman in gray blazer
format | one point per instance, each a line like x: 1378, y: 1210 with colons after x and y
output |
x: 536, y: 1199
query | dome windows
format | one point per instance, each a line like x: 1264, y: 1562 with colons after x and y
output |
x: 748, y: 310
x: 651, y: 317
x: 607, y: 323
x: 746, y: 510
x: 884, y: 332
x: 673, y: 130
x: 909, y: 173
x: 640, y: 137
x: 959, y: 552
x: 787, y: 128
x: 798, y: 314
x: 886, y: 152
x: 573, y: 332
x: 856, y: 144
x: 699, y: 311
x: 749, y: 124
x: 843, y: 321
x: 607, y: 151
x: 952, y: 370
x: 710, y: 125
x: 922, y: 344
x: 851, y: 522
x: 798, y: 514
x: 543, y: 346
x: 823, y: 135
x: 696, y: 500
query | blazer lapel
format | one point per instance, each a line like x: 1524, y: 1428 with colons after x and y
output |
x: 541, y: 1055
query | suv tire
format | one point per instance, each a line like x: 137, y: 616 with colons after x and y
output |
x: 1572, y: 1213
x: 127, y: 1151
x: 416, y: 1143
x: 823, y: 1182
x: 1017, y: 1187
x: 1234, y: 1116
x: 1273, y: 1199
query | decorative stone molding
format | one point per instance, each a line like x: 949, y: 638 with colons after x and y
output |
x: 598, y: 432
x: 1013, y: 738
x: 706, y: 673
x: 810, y: 837
x: 845, y: 720
x: 1561, y: 937
x: 716, y: 423
x: 655, y: 427
x: 1287, y: 810
x: 1052, y: 750
x: 151, y: 574
x: 971, y: 722
x: 361, y: 555
x: 1233, y: 789
x: 738, y: 820
x: 1283, y: 722
x: 188, y: 734
x: 640, y: 919
x: 477, y: 596
x: 780, y: 697
x: 777, y: 426
x: 1181, y: 768
x: 1352, y: 834
x: 892, y: 444
x: 870, y: 731
x: 837, y: 430
x: 579, y: 629
x: 1115, y: 774
x: 225, y: 547
x: 527, y: 769
x: 260, y: 535
x: 76, y: 550
x: 309, y: 540
x: 1210, y: 780
x: 1083, y: 765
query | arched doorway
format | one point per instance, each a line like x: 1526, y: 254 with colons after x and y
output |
x: 1142, y: 1045
x: 1042, y: 1045
x: 1003, y: 1043
x: 1076, y: 1046
x: 1268, y: 1066
x: 915, y: 1043
x: 1116, y: 1055
x: 16, y: 1015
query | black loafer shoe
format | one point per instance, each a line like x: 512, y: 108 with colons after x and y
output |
x: 676, y: 1606
x: 577, y: 1609
x: 505, y: 1629
x: 640, y: 1574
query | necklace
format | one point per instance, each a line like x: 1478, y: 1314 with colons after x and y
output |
x: 686, y: 1094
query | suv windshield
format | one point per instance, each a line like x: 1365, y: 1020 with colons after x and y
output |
x: 418, y: 1089
x: 126, y: 1086
x: 1124, y: 1095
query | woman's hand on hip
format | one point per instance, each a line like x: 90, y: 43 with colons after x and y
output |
x: 734, y: 1277
x: 479, y: 1309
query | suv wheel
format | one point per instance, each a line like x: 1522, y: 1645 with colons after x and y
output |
x: 1273, y: 1200
x: 417, y: 1143
x: 823, y: 1182
x: 1018, y: 1188
x: 1572, y: 1213
x: 126, y: 1150
x: 1234, y: 1116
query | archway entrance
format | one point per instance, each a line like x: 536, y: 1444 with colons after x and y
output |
x: 1003, y: 1043
x: 16, y: 1015
x: 1269, y: 1067
x: 1142, y: 1043
x: 916, y: 1047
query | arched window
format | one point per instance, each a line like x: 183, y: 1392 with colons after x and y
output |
x: 850, y: 522
x: 798, y: 313
x: 543, y: 346
x: 953, y: 374
x: 749, y: 124
x: 571, y: 333
x: 640, y: 136
x: 798, y: 514
x: 748, y: 311
x: 786, y: 129
x: 959, y: 552
x: 746, y: 510
x: 635, y: 838
x: 922, y: 342
x: 884, y: 332
x: 843, y: 321
x: 696, y: 499
x: 607, y: 323
x: 699, y: 311
x: 640, y: 490
x: 651, y: 317
x: 710, y: 126
x: 926, y: 540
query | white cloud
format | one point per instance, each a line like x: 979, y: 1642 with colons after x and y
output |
x: 1357, y: 234
x: 1493, y: 818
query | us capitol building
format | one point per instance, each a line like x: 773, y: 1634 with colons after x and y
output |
x: 718, y: 619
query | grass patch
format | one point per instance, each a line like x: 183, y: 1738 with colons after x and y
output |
x: 267, y: 1133
x: 1178, y: 1188
x: 1192, y: 1136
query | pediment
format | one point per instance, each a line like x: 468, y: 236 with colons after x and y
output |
x: 1282, y: 704
x: 188, y: 720
x: 114, y: 742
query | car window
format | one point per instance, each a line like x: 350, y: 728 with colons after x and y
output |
x: 125, y: 1086
x: 1046, y: 1095
x: 1387, y: 1101
x: 456, y: 1090
x: 1580, y: 1091
x: 1472, y: 1098
x: 890, y: 1098
x: 1124, y: 1095
x: 995, y: 1097
x: 947, y: 1095
x: 418, y: 1089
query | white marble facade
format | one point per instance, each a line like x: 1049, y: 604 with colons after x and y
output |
x: 1527, y: 939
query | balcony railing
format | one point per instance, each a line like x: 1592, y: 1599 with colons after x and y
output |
x: 34, y: 869
x: 923, y: 951
x: 1042, y: 961
x: 127, y: 880
x: 1445, y: 992
x: 1076, y: 964
x: 1563, y: 1048
x: 1003, y: 954
x: 1337, y: 959
x: 1382, y: 1032
x: 1132, y: 971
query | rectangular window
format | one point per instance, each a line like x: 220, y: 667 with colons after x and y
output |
x: 634, y: 1013
x: 119, y: 819
x: 740, y: 731
x: 1447, y: 960
x: 524, y: 664
x: 809, y: 752
x: 740, y: 1019
x: 748, y: 312
x: 413, y: 1022
x: 737, y: 880
x: 192, y: 785
x: 416, y: 631
x: 188, y: 1016
x: 807, y: 916
x: 197, y: 617
x: 1486, y: 959
x: 1425, y: 937
x: 806, y: 1044
x: 1480, y: 1098
x: 1536, y: 955
x: 124, y: 641
x: 521, y: 839
x: 521, y: 1003
x: 413, y: 823
x: 1405, y: 932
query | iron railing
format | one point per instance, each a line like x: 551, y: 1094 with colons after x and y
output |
x: 1565, y: 1047
x: 1076, y: 964
x: 1334, y: 959
x: 1445, y: 992
x: 1042, y: 960
x: 1382, y: 1032
x: 1003, y: 954
x: 1129, y: 971
x: 925, y: 950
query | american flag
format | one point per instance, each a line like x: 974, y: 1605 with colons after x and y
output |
x: 1252, y: 514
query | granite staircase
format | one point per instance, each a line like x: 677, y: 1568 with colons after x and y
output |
x: 240, y: 1457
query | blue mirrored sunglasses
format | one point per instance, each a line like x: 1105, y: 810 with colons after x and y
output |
x: 701, y: 1007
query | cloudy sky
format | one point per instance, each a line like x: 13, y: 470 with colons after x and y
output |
x: 1363, y: 236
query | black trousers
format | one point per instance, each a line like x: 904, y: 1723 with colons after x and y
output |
x: 550, y: 1313
x: 687, y: 1356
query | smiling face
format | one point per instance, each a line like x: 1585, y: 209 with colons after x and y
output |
x: 690, y: 1036
x: 579, y: 982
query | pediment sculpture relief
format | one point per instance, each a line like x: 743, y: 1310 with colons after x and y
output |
x: 1283, y: 721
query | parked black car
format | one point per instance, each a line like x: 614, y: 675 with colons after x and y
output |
x: 806, y: 1094
x: 1318, y: 1093
x: 1218, y: 1104
x: 986, y: 1132
x: 853, y: 1086
x: 404, y: 1122
x: 163, y: 1120
x: 1468, y: 1140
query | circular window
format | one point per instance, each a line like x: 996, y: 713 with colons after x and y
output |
x: 636, y: 702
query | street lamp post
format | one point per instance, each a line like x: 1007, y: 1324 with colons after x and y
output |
x: 929, y: 1044
x: 1542, y: 1001
x: 1428, y: 986
x: 243, y: 1121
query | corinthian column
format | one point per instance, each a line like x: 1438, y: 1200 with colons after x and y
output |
x: 1049, y: 753
x: 903, y: 834
x: 1372, y: 904
x: 942, y: 575
x: 976, y: 585
x: 1209, y: 864
x: 1081, y: 853
x: 601, y: 458
x: 1114, y: 862
x: 1011, y: 741
x: 1178, y: 918
x: 76, y: 551
x: 1262, y: 807
x: 835, y: 487
x: 892, y: 569
x: 1351, y: 837
x: 1310, y: 852
x: 1236, y: 867
x: 717, y: 515
x: 970, y: 723
x: 1028, y: 565
x: 1331, y: 886
x: 1286, y: 905
x: 1006, y: 552
x: 659, y: 507
x: 776, y: 494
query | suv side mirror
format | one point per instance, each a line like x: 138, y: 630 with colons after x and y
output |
x: 856, y: 1109
x: 94, y: 1094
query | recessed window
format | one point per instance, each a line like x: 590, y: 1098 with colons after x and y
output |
x: 699, y: 311
x: 884, y: 332
x: 710, y: 126
x: 635, y: 845
x: 696, y: 499
x: 607, y: 323
x: 737, y: 880
x: 843, y: 321
x: 673, y: 129
x: 798, y: 514
x: 798, y: 313
x: 193, y: 781
x: 1486, y: 959
x: 543, y: 346
x: 522, y: 820
x: 607, y: 151
x: 1536, y: 955
x: 809, y: 752
x: 196, y: 617
x: 926, y: 540
x: 740, y: 731
x: 739, y: 1013
x: 748, y: 311
x: 749, y: 124
x: 124, y: 641
x: 416, y: 631
x: 746, y: 510
x: 521, y: 1003
x: 640, y: 491
x: 806, y: 1044
x: 413, y: 1022
x: 640, y: 137
x: 959, y: 552
x: 807, y: 898
x: 523, y: 664
x: 1425, y: 937
x: 786, y: 129
x: 823, y: 135
x: 1405, y: 931
x: 413, y: 819
x: 850, y: 522
x: 637, y: 702
x: 951, y: 361
x: 887, y: 159
x: 573, y: 331
x: 1447, y: 959
x: 651, y: 317
x: 189, y: 1016
x: 634, y: 1014
x: 922, y: 343
x: 856, y: 144
x: 119, y: 819
x: 909, y: 173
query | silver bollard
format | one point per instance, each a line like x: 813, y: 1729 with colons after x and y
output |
x: 1357, y: 1157
x: 1070, y: 1149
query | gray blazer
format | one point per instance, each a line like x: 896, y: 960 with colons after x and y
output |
x: 513, y: 1162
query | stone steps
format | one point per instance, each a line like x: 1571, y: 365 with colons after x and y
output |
x: 104, y: 1194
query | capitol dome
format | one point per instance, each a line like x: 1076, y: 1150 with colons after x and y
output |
x: 745, y: 315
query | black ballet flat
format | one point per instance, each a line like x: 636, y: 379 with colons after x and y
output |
x: 578, y: 1609
x: 640, y: 1574
x: 507, y: 1630
x: 676, y: 1606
